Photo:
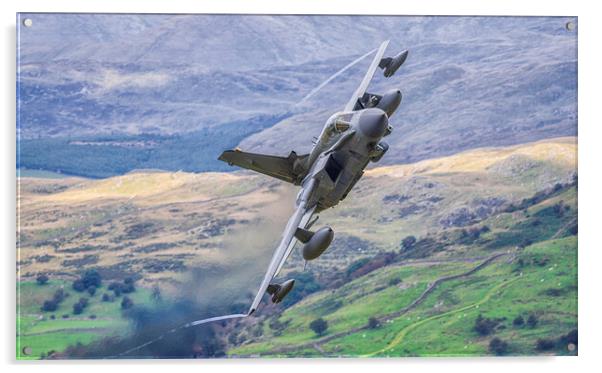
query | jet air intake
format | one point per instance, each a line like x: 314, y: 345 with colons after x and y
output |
x: 315, y: 242
x: 373, y: 123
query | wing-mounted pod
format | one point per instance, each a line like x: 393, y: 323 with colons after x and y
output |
x: 279, y: 291
x: 391, y: 64
x: 315, y: 242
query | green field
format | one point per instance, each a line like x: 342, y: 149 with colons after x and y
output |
x: 443, y: 324
x: 38, y: 334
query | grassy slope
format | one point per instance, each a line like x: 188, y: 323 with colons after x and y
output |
x: 442, y: 324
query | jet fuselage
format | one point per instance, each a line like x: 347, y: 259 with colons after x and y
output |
x: 347, y: 144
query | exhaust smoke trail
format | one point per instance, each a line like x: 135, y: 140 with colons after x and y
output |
x: 168, y: 332
x: 187, y: 325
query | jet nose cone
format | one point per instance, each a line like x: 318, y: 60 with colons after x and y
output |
x: 373, y: 123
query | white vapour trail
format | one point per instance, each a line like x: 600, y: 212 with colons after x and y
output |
x: 217, y: 318
x: 187, y: 325
x: 324, y: 83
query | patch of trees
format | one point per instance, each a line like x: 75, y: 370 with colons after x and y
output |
x: 125, y: 287
x: 42, y: 279
x: 408, y: 243
x: 538, y: 260
x: 518, y: 321
x: 498, y: 346
x: 373, y: 323
x: 90, y: 279
x: 126, y: 303
x: 423, y: 248
x: 540, y: 196
x: 485, y: 326
x: 319, y: 326
x: 52, y: 305
x: 560, y: 208
x: 470, y: 235
x: 567, y: 341
x: 555, y: 292
x: 80, y: 306
x: 364, y: 266
x: 353, y: 267
x: 532, y: 321
x: 545, y: 344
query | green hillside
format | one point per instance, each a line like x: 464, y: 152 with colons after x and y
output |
x: 526, y: 270
x: 417, y: 248
x: 43, y: 333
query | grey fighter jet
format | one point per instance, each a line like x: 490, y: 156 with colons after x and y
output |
x: 349, y: 140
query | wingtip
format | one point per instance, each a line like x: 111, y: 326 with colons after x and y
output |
x: 224, y: 156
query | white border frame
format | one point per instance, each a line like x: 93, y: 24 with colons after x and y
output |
x: 589, y: 176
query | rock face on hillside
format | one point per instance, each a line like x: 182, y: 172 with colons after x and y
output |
x: 469, y: 81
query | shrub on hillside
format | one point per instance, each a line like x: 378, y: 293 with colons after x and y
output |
x: 373, y: 323
x: 532, y: 321
x: 518, y: 321
x: 42, y: 279
x: 545, y: 344
x: 485, y: 326
x: 319, y: 326
x: 498, y: 346
x: 408, y: 242
x: 126, y: 303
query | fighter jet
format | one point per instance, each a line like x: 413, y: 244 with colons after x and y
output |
x: 349, y: 140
